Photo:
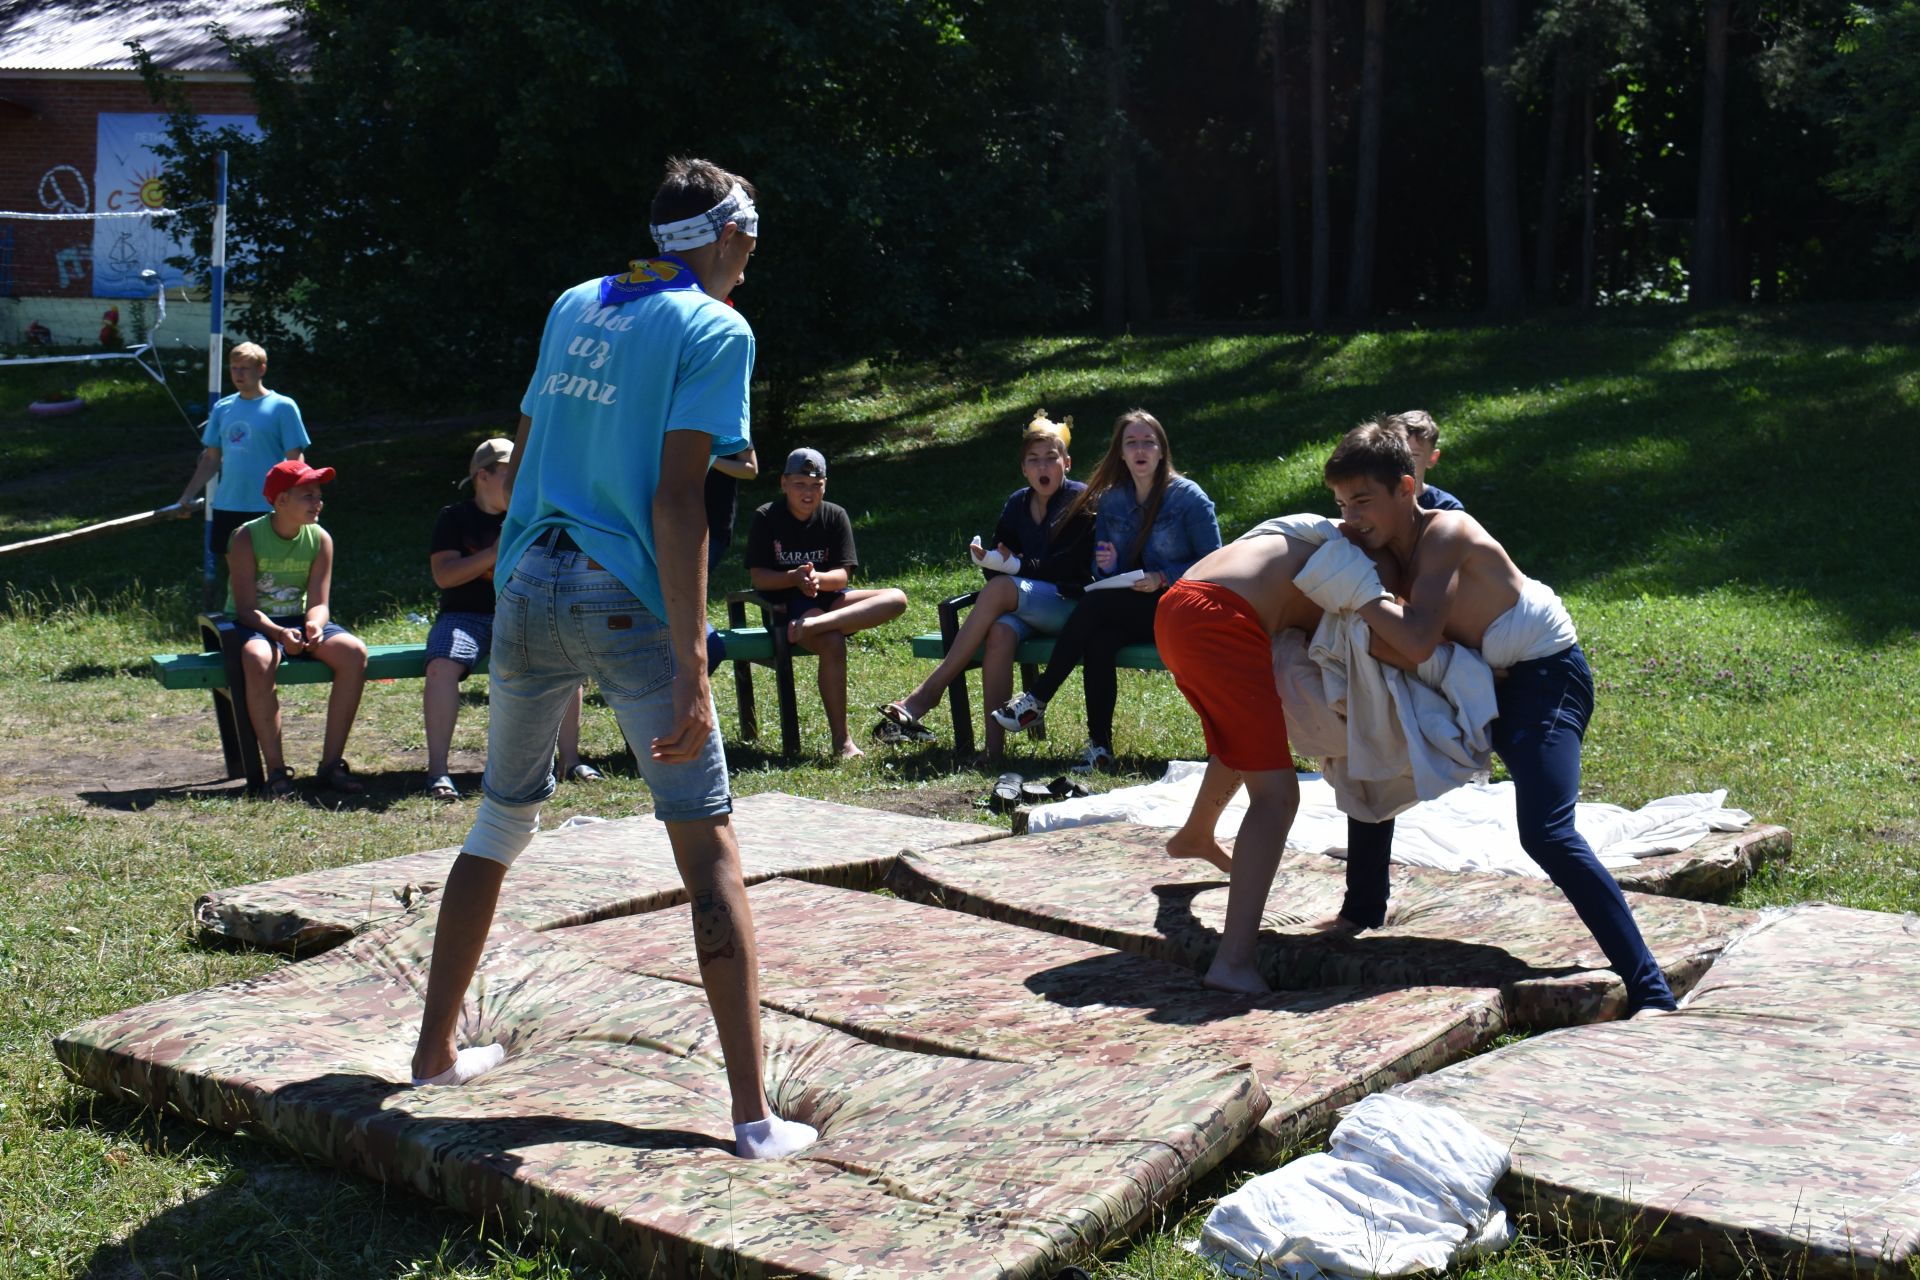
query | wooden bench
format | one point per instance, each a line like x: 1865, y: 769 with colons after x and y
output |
x: 1031, y: 656
x: 217, y: 669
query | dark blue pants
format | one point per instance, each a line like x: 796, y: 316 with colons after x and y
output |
x: 1544, y: 707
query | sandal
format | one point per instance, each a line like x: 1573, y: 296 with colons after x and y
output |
x: 442, y: 788
x: 338, y: 776
x: 911, y: 730
x: 1005, y: 796
x: 279, y: 783
x: 584, y: 772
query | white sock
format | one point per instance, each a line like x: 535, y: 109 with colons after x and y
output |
x: 772, y: 1138
x: 468, y: 1064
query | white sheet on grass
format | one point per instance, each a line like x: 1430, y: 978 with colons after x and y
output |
x: 1469, y: 829
x: 1404, y: 1187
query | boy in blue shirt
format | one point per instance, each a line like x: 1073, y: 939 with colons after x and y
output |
x: 1423, y: 440
x: 247, y: 433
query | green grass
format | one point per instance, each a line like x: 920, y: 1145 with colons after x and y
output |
x: 1721, y: 501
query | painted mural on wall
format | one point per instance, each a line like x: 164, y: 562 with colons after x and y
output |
x: 127, y: 176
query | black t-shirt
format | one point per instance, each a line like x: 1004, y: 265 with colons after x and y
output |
x: 465, y: 528
x: 778, y: 541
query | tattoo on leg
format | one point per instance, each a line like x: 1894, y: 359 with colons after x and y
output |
x: 712, y: 929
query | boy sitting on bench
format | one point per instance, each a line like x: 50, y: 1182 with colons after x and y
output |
x: 800, y: 553
x: 283, y: 562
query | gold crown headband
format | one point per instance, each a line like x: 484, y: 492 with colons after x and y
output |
x: 1062, y: 428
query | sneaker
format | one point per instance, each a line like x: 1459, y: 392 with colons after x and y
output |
x: 1094, y: 757
x: 1020, y: 712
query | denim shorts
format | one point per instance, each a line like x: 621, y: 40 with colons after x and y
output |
x: 556, y: 621
x: 1042, y: 610
x: 327, y: 632
x: 461, y: 638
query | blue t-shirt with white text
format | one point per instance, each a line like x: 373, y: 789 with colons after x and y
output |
x: 609, y: 384
x: 251, y: 435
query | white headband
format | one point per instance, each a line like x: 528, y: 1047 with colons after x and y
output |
x: 705, y: 228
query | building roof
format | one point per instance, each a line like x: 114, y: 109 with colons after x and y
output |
x: 92, y: 35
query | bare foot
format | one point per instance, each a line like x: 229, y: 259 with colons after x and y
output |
x: 1338, y: 926
x: 847, y: 751
x: 1240, y: 981
x: 1650, y: 1013
x: 1185, y: 844
x: 796, y: 629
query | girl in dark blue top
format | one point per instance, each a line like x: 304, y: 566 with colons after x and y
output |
x: 1151, y: 519
x: 1048, y: 530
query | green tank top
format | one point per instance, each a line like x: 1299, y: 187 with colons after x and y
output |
x: 281, y: 567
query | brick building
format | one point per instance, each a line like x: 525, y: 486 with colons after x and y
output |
x: 63, y: 65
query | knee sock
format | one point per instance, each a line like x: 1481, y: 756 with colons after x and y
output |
x: 468, y: 1064
x: 772, y: 1138
x: 501, y: 832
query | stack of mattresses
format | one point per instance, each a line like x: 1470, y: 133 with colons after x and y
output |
x: 1113, y: 885
x: 1776, y: 1117
x: 607, y: 1122
x: 575, y: 874
x: 916, y: 977
x: 1711, y: 869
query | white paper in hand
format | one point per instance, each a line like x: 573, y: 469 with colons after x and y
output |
x: 1117, y: 581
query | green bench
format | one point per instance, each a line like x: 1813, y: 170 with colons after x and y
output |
x: 216, y: 669
x: 1031, y: 656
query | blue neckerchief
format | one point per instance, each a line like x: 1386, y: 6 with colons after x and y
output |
x: 647, y: 275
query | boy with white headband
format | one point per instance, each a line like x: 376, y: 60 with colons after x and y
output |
x: 601, y: 571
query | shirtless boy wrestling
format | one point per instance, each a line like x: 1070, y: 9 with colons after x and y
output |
x: 1461, y: 585
x: 1215, y: 630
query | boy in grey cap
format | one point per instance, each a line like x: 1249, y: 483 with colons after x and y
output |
x: 800, y: 553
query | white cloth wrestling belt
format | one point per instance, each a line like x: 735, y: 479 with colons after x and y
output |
x: 1386, y: 739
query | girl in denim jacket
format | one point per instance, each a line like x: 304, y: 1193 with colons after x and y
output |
x: 1150, y: 520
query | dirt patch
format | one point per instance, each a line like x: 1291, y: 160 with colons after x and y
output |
x: 1905, y: 836
x: 955, y: 804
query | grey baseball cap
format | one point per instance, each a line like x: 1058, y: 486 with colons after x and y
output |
x: 805, y: 462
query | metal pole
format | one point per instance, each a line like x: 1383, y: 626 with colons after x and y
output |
x: 216, y: 356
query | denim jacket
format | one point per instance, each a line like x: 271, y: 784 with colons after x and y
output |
x: 1184, y: 531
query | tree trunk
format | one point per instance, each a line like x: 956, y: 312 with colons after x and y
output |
x: 1708, y: 269
x: 1506, y: 291
x: 1366, y: 193
x: 1546, y: 234
x: 1317, y: 127
x: 1283, y: 161
x: 1113, y: 295
x: 1588, y: 198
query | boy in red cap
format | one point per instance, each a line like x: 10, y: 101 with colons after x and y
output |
x: 280, y: 572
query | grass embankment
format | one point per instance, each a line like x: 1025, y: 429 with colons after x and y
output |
x: 1721, y: 502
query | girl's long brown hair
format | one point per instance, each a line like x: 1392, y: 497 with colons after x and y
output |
x: 1112, y: 473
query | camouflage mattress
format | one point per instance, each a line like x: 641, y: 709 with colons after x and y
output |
x: 1113, y: 885
x: 916, y: 977
x: 571, y: 875
x: 608, y: 1123
x: 1713, y: 868
x: 1776, y: 1117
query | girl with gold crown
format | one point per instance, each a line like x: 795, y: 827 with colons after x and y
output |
x: 1042, y: 555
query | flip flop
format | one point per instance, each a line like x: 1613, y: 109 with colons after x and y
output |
x: 1035, y: 792
x: 279, y: 783
x: 442, y: 788
x: 911, y: 730
x: 1006, y: 792
x: 584, y: 772
x: 1066, y: 788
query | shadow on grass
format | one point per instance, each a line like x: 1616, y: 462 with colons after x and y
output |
x: 272, y: 1213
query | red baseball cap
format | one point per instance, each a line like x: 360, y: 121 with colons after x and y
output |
x: 290, y: 474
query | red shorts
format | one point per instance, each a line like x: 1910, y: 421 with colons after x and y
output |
x: 1222, y: 659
